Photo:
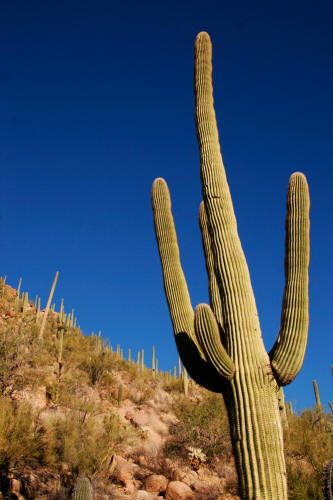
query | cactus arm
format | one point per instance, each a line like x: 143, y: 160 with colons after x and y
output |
x: 230, y: 265
x: 288, y: 352
x: 176, y: 291
x: 175, y: 285
x: 214, y: 294
x: 208, y: 335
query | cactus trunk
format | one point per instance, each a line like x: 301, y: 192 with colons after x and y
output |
x: 257, y: 439
x: 221, y: 346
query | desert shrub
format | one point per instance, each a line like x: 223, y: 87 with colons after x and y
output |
x: 173, y: 385
x: 141, y: 391
x: 21, y: 438
x: 97, y: 364
x: 12, y: 356
x: 85, y: 441
x: 203, y: 425
x: 308, y: 446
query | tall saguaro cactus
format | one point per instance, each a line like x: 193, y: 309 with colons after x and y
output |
x: 221, y: 345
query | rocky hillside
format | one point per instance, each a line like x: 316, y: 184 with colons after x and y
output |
x: 70, y: 406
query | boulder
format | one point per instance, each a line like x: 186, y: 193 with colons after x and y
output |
x: 145, y: 495
x: 124, y: 474
x: 156, y: 483
x: 177, y: 490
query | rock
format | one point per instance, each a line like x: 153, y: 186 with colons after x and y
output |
x: 124, y: 474
x: 145, y: 495
x: 15, y: 485
x: 202, y: 487
x: 188, y: 477
x: 228, y: 496
x: 177, y: 490
x: 156, y: 483
x: 142, y: 461
x: 36, y: 397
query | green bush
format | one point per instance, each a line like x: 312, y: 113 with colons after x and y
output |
x: 85, y: 441
x: 308, y: 447
x: 21, y: 437
x: 203, y: 425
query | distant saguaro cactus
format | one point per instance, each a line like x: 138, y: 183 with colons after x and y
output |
x: 221, y: 346
x: 120, y: 395
x: 83, y: 489
x: 41, y: 331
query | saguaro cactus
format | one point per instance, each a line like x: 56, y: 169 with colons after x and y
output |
x: 83, y: 489
x: 221, y: 346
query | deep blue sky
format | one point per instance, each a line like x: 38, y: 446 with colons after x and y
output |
x: 96, y: 100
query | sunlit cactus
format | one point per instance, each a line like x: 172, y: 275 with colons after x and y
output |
x: 83, y: 489
x: 221, y: 345
x: 120, y: 395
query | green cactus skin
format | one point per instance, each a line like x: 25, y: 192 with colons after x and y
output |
x: 316, y: 391
x: 18, y: 288
x: 25, y: 304
x: 42, y: 327
x: 142, y: 361
x: 83, y: 489
x: 153, y: 369
x: 185, y: 382
x: 222, y: 347
x: 328, y: 481
x: 120, y: 395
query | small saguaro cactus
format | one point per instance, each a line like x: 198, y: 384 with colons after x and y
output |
x: 316, y: 391
x: 120, y: 395
x: 153, y: 369
x: 142, y: 361
x: 185, y: 381
x: 83, y: 489
x: 221, y: 345
x: 42, y: 327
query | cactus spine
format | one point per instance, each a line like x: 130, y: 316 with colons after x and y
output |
x: 221, y: 346
x: 83, y: 489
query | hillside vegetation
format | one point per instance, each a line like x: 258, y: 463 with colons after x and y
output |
x: 70, y: 405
